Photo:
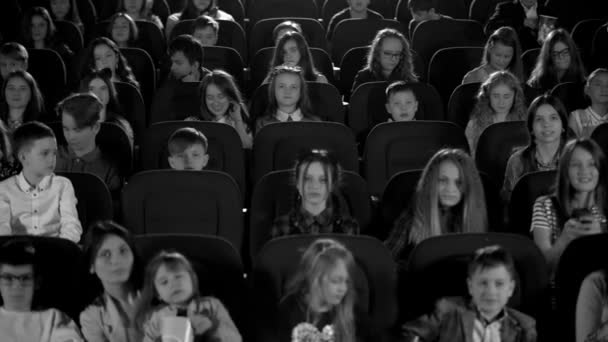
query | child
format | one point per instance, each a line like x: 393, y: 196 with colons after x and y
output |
x: 423, y: 10
x: 500, y: 99
x: 9, y: 166
x: 292, y: 50
x: 36, y: 201
x: 20, y: 318
x: 205, y: 30
x: 170, y: 287
x: 320, y: 298
x: 23, y: 100
x: 66, y: 10
x: 39, y: 32
x: 80, y: 119
x: 140, y: 10
x: 187, y: 59
x: 13, y: 56
x: 103, y: 53
x: 401, y: 102
x: 583, y: 121
x: 188, y: 150
x: 318, y: 208
x: 287, y: 97
x: 486, y: 317
x: 192, y: 10
x: 357, y: 9
x: 123, y: 30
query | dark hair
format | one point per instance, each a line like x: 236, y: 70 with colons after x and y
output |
x: 226, y: 84
x: 133, y: 30
x: 184, y: 137
x: 34, y: 108
x: 191, y: 12
x: 18, y: 252
x: 285, y: 25
x: 303, y: 103
x: 84, y: 108
x: 26, y: 26
x: 306, y: 62
x: 331, y: 167
x: 490, y: 257
x: 123, y: 70
x: 203, y: 21
x: 15, y: 51
x: 190, y: 47
x: 145, y: 12
x: 405, y: 69
x: 421, y: 5
x: 28, y: 133
x: 397, y: 87
x: 96, y: 235
x: 113, y: 107
x: 508, y: 37
x: 73, y: 15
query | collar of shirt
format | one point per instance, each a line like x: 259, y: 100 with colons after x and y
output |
x: 295, y: 116
x: 26, y: 187
x: 323, y: 219
x: 530, y: 11
x: 87, y: 158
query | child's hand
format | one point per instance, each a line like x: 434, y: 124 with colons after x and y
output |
x: 200, y: 323
x: 235, y: 112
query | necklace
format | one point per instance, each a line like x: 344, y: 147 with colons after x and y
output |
x: 545, y: 165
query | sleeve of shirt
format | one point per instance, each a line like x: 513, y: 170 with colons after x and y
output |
x: 5, y: 212
x: 539, y: 217
x: 512, y: 174
x: 91, y: 325
x: 427, y: 327
x: 589, y: 305
x: 151, y: 329
x: 71, y: 228
x: 226, y: 330
x: 64, y: 328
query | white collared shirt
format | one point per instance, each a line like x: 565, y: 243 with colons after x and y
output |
x: 283, y: 117
x: 48, y: 209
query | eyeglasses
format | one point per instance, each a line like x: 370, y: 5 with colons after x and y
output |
x: 10, y: 279
x: 391, y: 55
x: 561, y: 53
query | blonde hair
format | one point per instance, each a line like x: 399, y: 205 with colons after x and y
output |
x: 483, y: 111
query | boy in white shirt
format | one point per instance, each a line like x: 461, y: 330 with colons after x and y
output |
x: 36, y: 201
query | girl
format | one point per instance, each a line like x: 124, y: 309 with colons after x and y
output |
x: 193, y: 9
x: 287, y: 97
x: 223, y: 102
x: 292, y: 50
x: 66, y: 10
x: 113, y: 259
x: 140, y: 10
x: 502, y: 52
x: 22, y: 100
x: 103, y: 53
x: 583, y: 121
x: 449, y: 198
x: 100, y: 84
x: 559, y: 61
x: 318, y: 207
x: 123, y: 30
x: 171, y: 286
x: 39, y: 32
x: 9, y: 165
x: 578, y: 206
x: 592, y: 308
x: 500, y: 98
x: 547, y: 126
x: 320, y: 298
x: 389, y: 59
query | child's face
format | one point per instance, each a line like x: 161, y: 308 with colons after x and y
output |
x: 206, y: 35
x: 547, y: 126
x: 173, y: 286
x: 491, y: 289
x: 17, y: 93
x: 334, y: 284
x: 113, y: 262
x: 17, y: 287
x: 201, y: 5
x: 402, y: 106
x: 181, y: 66
x: 120, y: 31
x: 216, y: 100
x: 313, y: 186
x: 105, y: 58
x: 449, y: 184
x: 39, y: 158
x: 582, y: 171
x: 193, y: 157
x: 560, y: 53
x: 99, y: 87
x: 291, y: 53
x: 500, y: 56
x: 8, y: 65
x: 39, y: 28
x: 358, y: 6
x: 597, y: 89
x: 287, y: 89
x: 78, y: 138
x: 501, y: 99
x: 390, y: 54
x: 60, y: 8
x: 133, y: 6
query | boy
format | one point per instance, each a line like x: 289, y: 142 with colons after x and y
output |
x: 423, y: 10
x: 357, y: 9
x: 401, y: 102
x: 205, y: 30
x: 187, y: 59
x: 13, y: 56
x: 188, y: 149
x: 491, y: 281
x: 18, y: 282
x: 36, y: 201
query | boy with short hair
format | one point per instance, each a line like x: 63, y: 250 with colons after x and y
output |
x: 36, y: 201
x: 357, y: 9
x: 19, y: 280
x: 401, y: 102
x: 423, y: 10
x: 187, y: 59
x: 13, y: 56
x: 491, y: 282
x: 188, y: 149
x: 205, y: 30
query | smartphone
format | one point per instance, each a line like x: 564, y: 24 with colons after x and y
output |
x: 582, y: 215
